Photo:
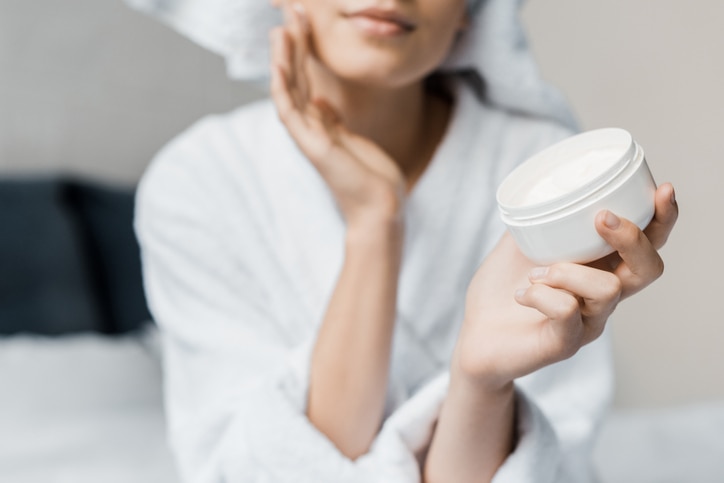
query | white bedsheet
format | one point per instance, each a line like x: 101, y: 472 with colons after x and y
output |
x: 81, y: 409
x: 88, y: 409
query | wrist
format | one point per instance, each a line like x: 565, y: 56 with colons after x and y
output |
x: 488, y: 391
x: 477, y: 373
x: 377, y: 230
x: 383, y: 212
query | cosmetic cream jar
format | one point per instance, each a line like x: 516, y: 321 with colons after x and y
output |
x: 550, y: 202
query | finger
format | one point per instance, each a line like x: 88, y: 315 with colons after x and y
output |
x: 279, y: 74
x: 641, y: 263
x: 284, y: 57
x: 280, y: 49
x: 665, y: 216
x: 286, y: 108
x: 300, y: 33
x: 553, y: 303
x: 599, y: 290
x: 563, y: 332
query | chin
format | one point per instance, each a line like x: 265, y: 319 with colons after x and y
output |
x: 374, y: 67
x: 376, y: 76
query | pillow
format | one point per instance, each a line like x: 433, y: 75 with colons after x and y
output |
x: 106, y: 217
x: 45, y: 284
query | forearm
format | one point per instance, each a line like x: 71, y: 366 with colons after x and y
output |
x: 474, y: 434
x: 350, y: 362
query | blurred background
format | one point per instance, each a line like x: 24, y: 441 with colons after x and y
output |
x: 656, y: 68
x: 92, y: 89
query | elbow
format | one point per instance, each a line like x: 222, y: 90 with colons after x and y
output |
x: 353, y: 452
x: 349, y: 438
x: 352, y: 446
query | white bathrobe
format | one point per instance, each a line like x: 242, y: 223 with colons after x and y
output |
x: 242, y: 244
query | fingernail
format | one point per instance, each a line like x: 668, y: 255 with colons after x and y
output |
x: 611, y: 221
x: 673, y: 196
x: 538, y: 273
x: 301, y: 13
x: 520, y: 293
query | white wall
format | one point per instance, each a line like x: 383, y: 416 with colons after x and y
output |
x: 91, y: 87
x: 656, y: 67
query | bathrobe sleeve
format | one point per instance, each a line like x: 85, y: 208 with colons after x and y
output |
x: 558, y: 415
x: 236, y: 354
x: 235, y: 359
x: 560, y: 409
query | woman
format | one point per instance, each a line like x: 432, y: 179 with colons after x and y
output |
x: 312, y: 262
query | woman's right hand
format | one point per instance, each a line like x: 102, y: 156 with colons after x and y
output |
x: 557, y: 309
x: 367, y: 184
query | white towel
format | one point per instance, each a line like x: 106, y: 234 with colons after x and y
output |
x: 494, y: 46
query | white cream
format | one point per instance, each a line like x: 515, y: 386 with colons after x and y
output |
x: 571, y: 174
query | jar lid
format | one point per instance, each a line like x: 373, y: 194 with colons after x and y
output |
x: 565, y: 173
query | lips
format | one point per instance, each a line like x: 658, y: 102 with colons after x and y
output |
x: 381, y: 22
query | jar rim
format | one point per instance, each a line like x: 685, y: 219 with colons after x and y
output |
x: 560, y: 154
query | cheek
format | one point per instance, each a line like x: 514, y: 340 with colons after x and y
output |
x: 432, y: 48
x: 438, y: 44
x: 328, y: 34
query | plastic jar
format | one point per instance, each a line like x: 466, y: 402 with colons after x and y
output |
x: 550, y: 202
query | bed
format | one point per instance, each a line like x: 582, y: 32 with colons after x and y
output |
x: 88, y: 408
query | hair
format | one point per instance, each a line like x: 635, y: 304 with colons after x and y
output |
x: 473, y: 5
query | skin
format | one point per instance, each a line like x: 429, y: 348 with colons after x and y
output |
x: 370, y: 135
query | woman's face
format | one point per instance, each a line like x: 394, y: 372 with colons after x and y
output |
x: 384, y: 42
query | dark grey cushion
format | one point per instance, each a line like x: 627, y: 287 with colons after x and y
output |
x: 106, y: 215
x: 45, y: 282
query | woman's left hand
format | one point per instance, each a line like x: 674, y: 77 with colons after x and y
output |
x: 366, y: 182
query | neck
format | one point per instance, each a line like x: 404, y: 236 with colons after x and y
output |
x: 407, y: 122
